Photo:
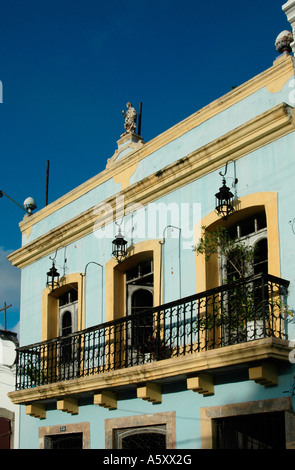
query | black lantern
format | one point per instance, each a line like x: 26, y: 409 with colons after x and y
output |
x: 224, y: 201
x: 52, y: 277
x: 119, y: 247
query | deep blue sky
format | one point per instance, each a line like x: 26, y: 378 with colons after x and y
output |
x: 68, y: 69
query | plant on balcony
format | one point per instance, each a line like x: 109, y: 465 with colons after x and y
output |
x: 245, y: 300
x: 241, y: 303
x: 285, y: 312
x: 34, y: 373
x: 235, y: 252
x: 157, y: 347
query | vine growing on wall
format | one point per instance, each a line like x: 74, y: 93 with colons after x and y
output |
x: 235, y: 252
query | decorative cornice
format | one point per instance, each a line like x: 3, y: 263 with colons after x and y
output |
x: 247, y: 138
x: 273, y: 79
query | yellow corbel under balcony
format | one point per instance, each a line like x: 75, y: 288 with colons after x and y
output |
x: 264, y: 374
x: 202, y: 383
x: 106, y: 399
x: 68, y: 405
x: 36, y: 410
x: 150, y: 392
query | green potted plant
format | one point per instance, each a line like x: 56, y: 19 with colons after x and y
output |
x: 34, y: 373
x: 240, y: 297
x: 236, y: 253
x: 157, y: 347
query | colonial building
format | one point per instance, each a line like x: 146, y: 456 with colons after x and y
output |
x: 142, y: 324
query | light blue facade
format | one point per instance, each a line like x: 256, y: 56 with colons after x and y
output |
x: 187, y: 412
x: 269, y: 168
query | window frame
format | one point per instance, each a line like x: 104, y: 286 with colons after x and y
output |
x: 67, y: 428
x: 209, y: 414
x: 250, y: 239
x: 207, y: 272
x: 140, y: 421
x: 50, y: 327
x: 116, y: 306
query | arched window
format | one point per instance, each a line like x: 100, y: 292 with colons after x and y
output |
x: 139, y: 287
x: 146, y: 437
x: 66, y: 345
x: 244, y: 305
x: 260, y: 264
x: 120, y: 277
x: 68, y: 309
x: 252, y: 232
x: 140, y: 298
x: 66, y: 323
x: 54, y: 303
x: 147, y: 431
x: 142, y: 326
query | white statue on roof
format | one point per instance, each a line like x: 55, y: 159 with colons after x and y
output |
x: 130, y: 118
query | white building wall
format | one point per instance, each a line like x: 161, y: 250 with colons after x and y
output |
x: 8, y: 343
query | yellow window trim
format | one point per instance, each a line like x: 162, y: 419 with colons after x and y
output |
x: 50, y: 306
x: 207, y: 272
x: 115, y: 276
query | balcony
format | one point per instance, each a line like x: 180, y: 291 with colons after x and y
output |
x: 223, y: 320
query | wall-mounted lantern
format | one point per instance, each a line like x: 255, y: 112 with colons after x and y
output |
x: 224, y: 201
x: 119, y: 245
x: 224, y: 205
x: 52, y: 277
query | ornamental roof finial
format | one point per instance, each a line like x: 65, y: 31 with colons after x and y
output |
x: 283, y: 42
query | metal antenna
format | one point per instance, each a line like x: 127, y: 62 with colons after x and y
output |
x: 47, y: 180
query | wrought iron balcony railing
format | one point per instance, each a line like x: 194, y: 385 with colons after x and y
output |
x: 250, y: 309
